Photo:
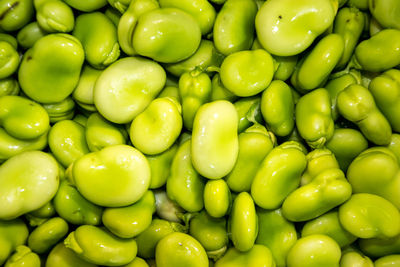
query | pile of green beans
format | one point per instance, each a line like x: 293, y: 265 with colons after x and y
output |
x: 195, y: 133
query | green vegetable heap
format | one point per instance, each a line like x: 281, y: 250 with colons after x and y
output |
x: 196, y: 133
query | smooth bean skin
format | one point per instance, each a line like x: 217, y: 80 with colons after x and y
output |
x: 166, y: 208
x: 219, y: 92
x: 357, y: 105
x: 96, y: 172
x: 248, y: 72
x: 137, y: 262
x: 16, y: 14
x: 313, y: 251
x: 386, y: 92
x: 394, y: 145
x: 376, y: 171
x: 390, y: 260
x: 318, y: 160
x: 130, y: 221
x: 205, y: 56
x: 278, y: 175
x: 210, y: 232
x: 47, y: 234
x: 276, y: 233
x: 23, y: 256
x: 195, y: 89
x: 50, y: 69
x: 326, y: 191
x: 249, y: 111
x: 9, y: 59
x: 254, y: 145
x: 328, y: 224
x: 327, y: 52
x: 23, y: 118
x: 120, y: 5
x: 13, y: 233
x: 8, y: 38
x: 378, y: 247
x: 74, y: 208
x: 99, y: 246
x: 217, y: 198
x: 67, y: 141
x: 185, y: 185
x: 156, y: 129
x: 286, y: 67
x: 46, y: 211
x: 160, y: 166
x: 154, y: 38
x: 9, y: 86
x: 215, y: 144
x: 127, y: 87
x: 61, y: 256
x: 86, y: 6
x: 277, y: 108
x: 179, y: 250
x: 59, y: 111
x: 201, y: 10
x: 54, y: 16
x: 369, y: 216
x: 29, y: 34
x: 234, y: 26
x: 355, y: 259
x: 158, y: 229
x: 27, y: 189
x: 243, y: 222
x: 258, y: 255
x: 379, y: 53
x: 83, y: 92
x: 98, y: 36
x: 313, y: 118
x: 385, y: 12
x: 296, y: 27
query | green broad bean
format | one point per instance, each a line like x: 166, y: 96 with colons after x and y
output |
x: 217, y: 198
x: 137, y: 262
x: 254, y: 145
x: 201, y: 10
x: 113, y: 15
x: 125, y: 88
x: 98, y: 36
x: 59, y: 111
x: 286, y: 67
x: 101, y: 133
x: 26, y: 189
x: 95, y: 172
x: 326, y: 191
x: 328, y: 224
x: 205, y: 56
x: 158, y: 229
x: 50, y: 70
x: 67, y: 141
x: 61, y: 256
x: 369, y: 216
x: 277, y: 108
x: 390, y: 260
x: 215, y: 144
x: 258, y: 255
x: 16, y: 14
x: 83, y: 92
x: 355, y: 259
x: 385, y: 12
x: 130, y: 221
x: 284, y: 31
x: 278, y: 175
x: 120, y: 5
x: 170, y: 91
x: 249, y: 112
x: 349, y: 23
x: 9, y: 86
x: 234, y: 26
x: 243, y: 222
x: 30, y: 34
x: 374, y: 27
x: 379, y: 53
x: 219, y: 92
x: 166, y: 208
x: 99, y: 246
x: 313, y: 118
x: 9, y: 39
x: 9, y: 59
x: 346, y: 144
x: 46, y: 235
x: 184, y: 185
x: 54, y: 16
x: 313, y: 251
x: 180, y: 250
x: 360, y: 4
x: 327, y: 52
x: 211, y: 233
x: 276, y: 233
x: 378, y: 247
x: 74, y: 208
x: 46, y: 211
x: 160, y: 166
x: 154, y: 37
x: 13, y: 233
x: 86, y: 6
x: 23, y: 256
x: 394, y: 145
x: 385, y: 89
x: 253, y: 72
x: 194, y: 89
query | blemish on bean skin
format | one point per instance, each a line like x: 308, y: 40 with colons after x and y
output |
x: 28, y: 58
x: 280, y: 17
x: 11, y: 8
